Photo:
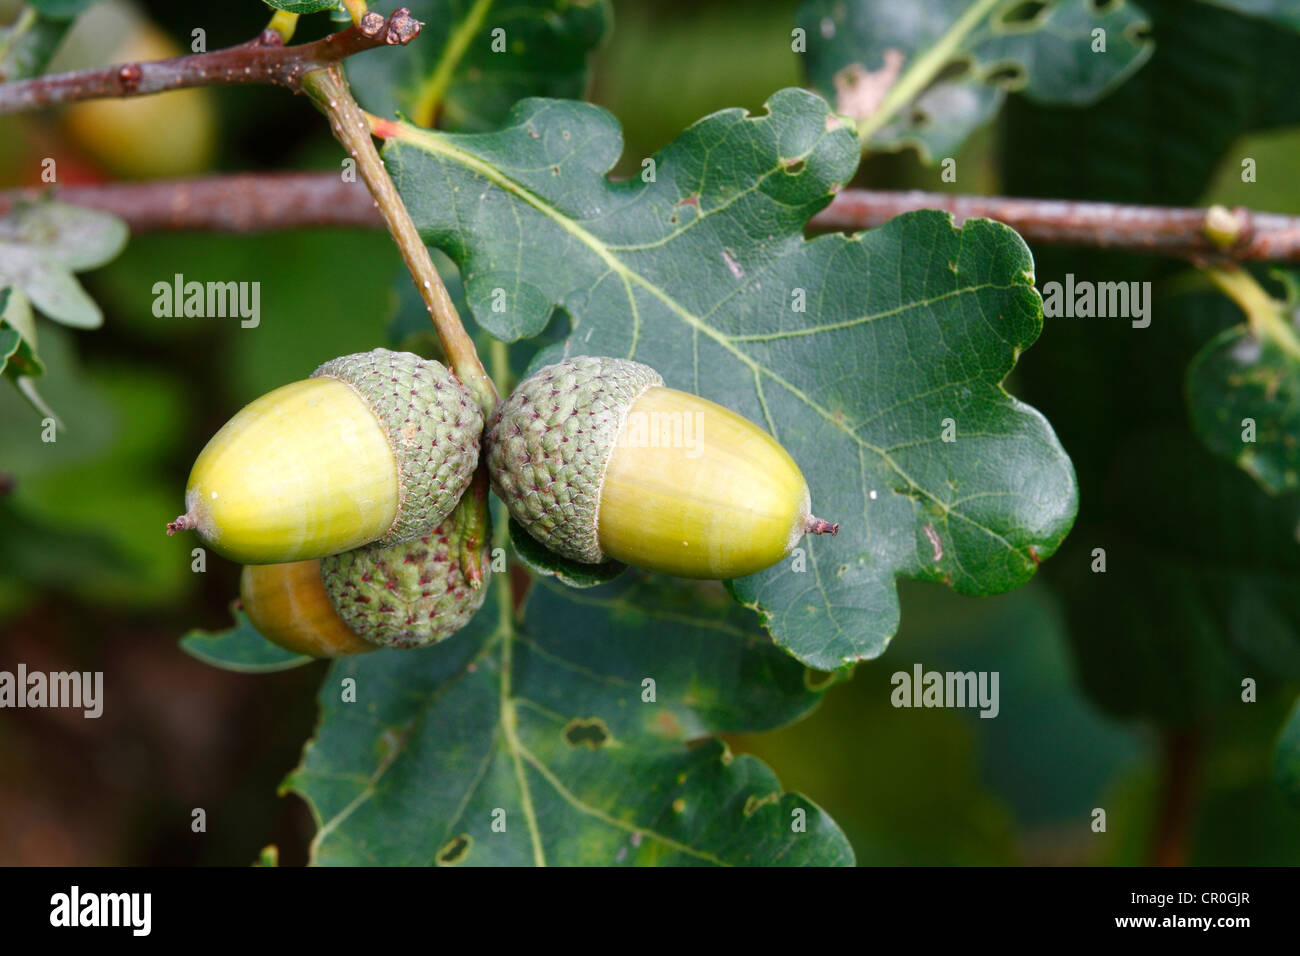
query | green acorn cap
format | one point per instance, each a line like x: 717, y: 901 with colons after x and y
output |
x: 415, y: 593
x: 432, y: 425
x: 549, y: 442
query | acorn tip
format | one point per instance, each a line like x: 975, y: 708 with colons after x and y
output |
x: 184, y: 523
x: 815, y: 525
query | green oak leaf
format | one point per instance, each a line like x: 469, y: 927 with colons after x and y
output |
x: 43, y: 243
x: 952, y: 62
x: 855, y: 352
x: 571, y: 728
x: 474, y: 58
x: 240, y: 648
x: 1237, y: 378
x: 1287, y: 759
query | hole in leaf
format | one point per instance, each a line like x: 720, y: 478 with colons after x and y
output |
x: 1104, y: 6
x: 1023, y: 14
x: 952, y: 71
x: 1139, y: 33
x: 1006, y: 75
x: 793, y: 167
x: 456, y: 850
x: 586, y: 733
x: 919, y: 118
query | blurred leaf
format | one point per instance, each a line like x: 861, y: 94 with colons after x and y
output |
x: 706, y: 53
x: 61, y: 9
x: 43, y: 243
x: 1287, y: 760
x: 103, y: 475
x: 455, y: 74
x: 91, y: 420
x: 18, y: 360
x: 1199, y: 587
x: 240, y: 648
x: 701, y: 275
x: 539, y: 560
x: 1237, y: 377
x: 1215, y: 76
x: 17, y: 336
x: 27, y: 44
x: 964, y: 63
x: 1283, y: 12
x: 49, y: 558
x: 550, y: 727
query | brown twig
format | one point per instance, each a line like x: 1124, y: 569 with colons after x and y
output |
x: 264, y: 202
x: 1180, y: 772
x: 240, y: 203
x: 1158, y: 230
x: 263, y: 60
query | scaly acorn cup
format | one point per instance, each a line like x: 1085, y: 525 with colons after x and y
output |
x: 374, y: 447
x: 404, y: 595
x: 597, y: 459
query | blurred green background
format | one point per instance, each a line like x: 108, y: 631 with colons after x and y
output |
x: 88, y: 581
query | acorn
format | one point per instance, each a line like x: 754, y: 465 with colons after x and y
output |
x: 405, y: 595
x: 373, y: 447
x: 597, y: 459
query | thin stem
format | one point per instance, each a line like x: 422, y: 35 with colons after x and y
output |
x: 329, y: 90
x: 357, y: 10
x: 263, y: 60
x: 500, y: 356
x: 15, y: 33
x: 434, y: 89
x: 283, y: 25
x: 1265, y: 316
x: 261, y: 202
x: 1180, y: 770
x: 923, y: 70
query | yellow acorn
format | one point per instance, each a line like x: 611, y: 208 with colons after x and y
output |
x: 404, y: 595
x: 288, y: 605
x: 597, y: 459
x: 149, y: 137
x: 374, y: 447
